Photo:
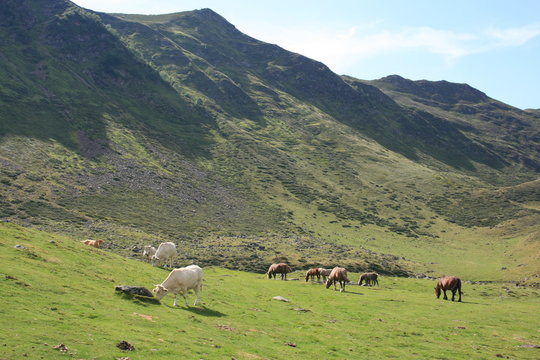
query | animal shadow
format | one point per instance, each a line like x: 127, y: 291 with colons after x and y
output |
x: 353, y: 292
x: 204, y: 311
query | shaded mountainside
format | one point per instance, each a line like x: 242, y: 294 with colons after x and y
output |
x: 179, y: 127
x: 510, y: 132
x: 236, y: 66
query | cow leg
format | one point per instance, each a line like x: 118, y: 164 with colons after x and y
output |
x: 184, y: 294
x: 175, y: 300
x: 197, y: 290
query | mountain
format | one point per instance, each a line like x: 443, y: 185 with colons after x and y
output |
x: 510, y: 132
x: 140, y: 129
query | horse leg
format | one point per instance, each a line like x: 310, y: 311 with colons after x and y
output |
x: 445, y: 297
x: 453, y: 294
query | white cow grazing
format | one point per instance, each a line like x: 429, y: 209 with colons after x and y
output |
x: 166, y: 251
x: 148, y: 252
x: 181, y: 281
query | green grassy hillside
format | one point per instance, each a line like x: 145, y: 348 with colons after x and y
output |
x: 59, y: 291
x: 142, y: 129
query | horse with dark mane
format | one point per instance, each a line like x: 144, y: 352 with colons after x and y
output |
x: 451, y: 283
x: 370, y: 279
x: 280, y: 268
x: 311, y: 273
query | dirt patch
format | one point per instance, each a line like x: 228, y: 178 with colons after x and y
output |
x: 146, y: 317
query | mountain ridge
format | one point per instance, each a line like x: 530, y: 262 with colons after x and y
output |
x: 147, y: 128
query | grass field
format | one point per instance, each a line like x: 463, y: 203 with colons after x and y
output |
x: 62, y: 292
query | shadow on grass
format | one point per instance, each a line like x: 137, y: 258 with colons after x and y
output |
x: 351, y: 292
x: 203, y: 310
x: 138, y: 299
x: 469, y: 302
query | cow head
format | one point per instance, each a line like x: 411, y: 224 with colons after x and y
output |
x: 160, y: 291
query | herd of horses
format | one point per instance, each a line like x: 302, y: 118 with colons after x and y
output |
x: 339, y: 275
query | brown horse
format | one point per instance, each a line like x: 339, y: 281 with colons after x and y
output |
x: 370, y: 279
x: 338, y: 274
x: 311, y: 273
x: 280, y: 268
x: 451, y: 283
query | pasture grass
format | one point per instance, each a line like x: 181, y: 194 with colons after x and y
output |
x: 62, y: 292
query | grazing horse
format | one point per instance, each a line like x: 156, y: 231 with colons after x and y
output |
x: 338, y: 274
x: 324, y: 273
x: 370, y: 279
x: 312, y: 273
x: 451, y: 283
x: 280, y: 268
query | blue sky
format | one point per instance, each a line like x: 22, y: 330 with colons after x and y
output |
x: 492, y: 45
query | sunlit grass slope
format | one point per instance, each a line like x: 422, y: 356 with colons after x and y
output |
x: 58, y: 291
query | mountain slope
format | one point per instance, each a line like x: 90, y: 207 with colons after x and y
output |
x: 141, y: 129
x: 508, y: 131
x: 226, y: 51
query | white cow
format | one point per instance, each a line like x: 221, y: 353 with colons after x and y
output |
x: 165, y: 251
x: 181, y: 281
x: 148, y: 252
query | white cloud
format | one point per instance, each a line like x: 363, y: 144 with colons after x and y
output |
x: 515, y: 36
x: 340, y: 48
